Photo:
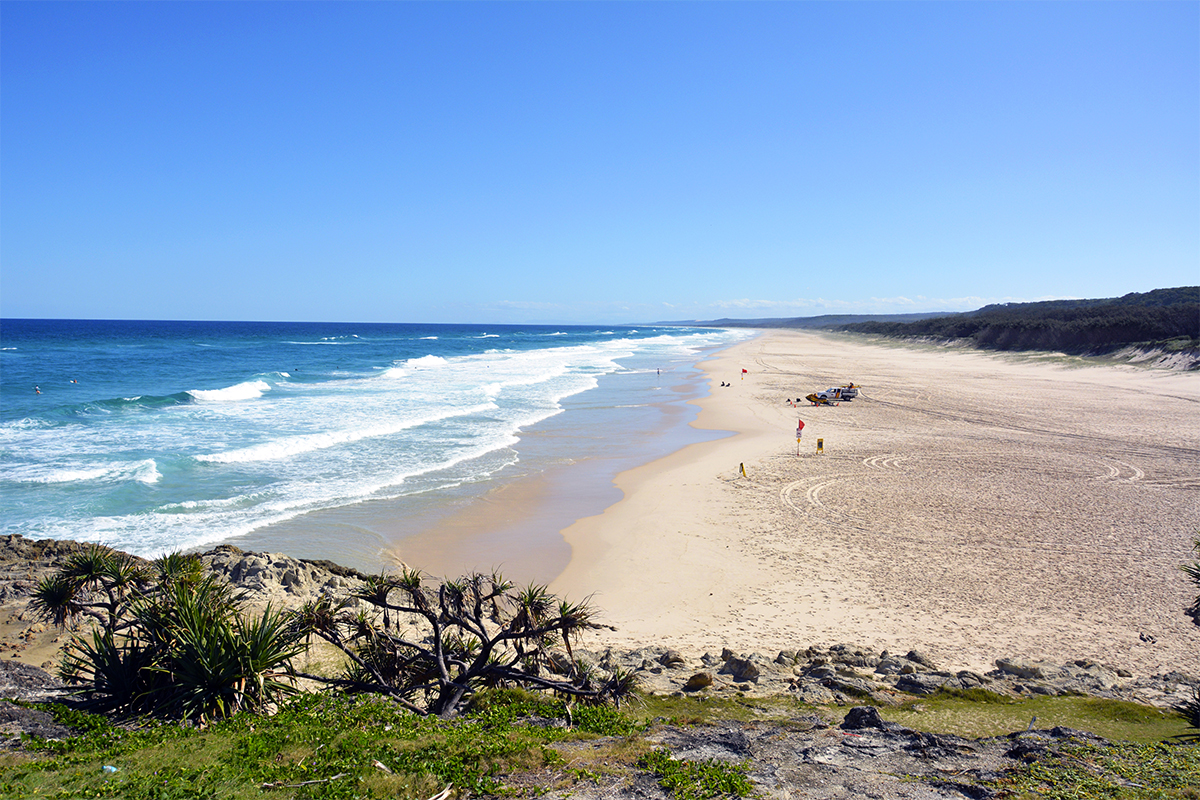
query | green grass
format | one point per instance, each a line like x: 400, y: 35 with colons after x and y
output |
x: 699, y: 709
x: 311, y: 739
x: 978, y: 715
x: 513, y: 742
x: 1123, y: 772
x: 697, y: 780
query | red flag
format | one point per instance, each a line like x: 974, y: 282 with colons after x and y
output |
x: 743, y: 370
x: 800, y: 425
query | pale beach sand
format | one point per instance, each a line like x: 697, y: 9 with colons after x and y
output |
x: 972, y: 505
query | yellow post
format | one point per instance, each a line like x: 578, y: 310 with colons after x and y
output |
x: 743, y: 468
x: 820, y: 446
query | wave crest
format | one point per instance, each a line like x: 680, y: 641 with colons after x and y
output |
x: 250, y: 390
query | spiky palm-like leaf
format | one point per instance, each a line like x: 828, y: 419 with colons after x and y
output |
x: 57, y: 597
x: 1193, y: 572
x: 1190, y: 711
x: 178, y: 568
x: 113, y: 668
x: 90, y: 565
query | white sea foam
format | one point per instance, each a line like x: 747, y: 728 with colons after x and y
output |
x: 57, y: 475
x: 249, y: 390
x: 147, y: 472
x: 144, y: 471
x: 297, y: 445
x: 426, y: 361
x: 219, y: 503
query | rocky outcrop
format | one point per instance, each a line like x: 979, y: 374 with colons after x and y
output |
x: 845, y: 674
x: 280, y: 580
x: 864, y: 756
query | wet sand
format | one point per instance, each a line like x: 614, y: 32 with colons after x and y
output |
x: 972, y: 505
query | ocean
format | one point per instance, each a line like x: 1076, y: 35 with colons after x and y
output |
x: 329, y: 440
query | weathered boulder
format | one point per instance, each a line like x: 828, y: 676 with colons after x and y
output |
x: 743, y: 670
x: 812, y: 693
x: 672, y: 658
x: 917, y: 657
x: 1029, y: 670
x: 921, y: 683
x: 861, y: 717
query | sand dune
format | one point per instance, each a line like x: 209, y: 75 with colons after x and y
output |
x: 974, y: 505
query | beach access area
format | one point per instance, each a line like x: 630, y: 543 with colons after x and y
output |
x: 975, y: 505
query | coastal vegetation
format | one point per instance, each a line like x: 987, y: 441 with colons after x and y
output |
x: 1168, y: 319
x: 170, y: 640
x: 1190, y: 709
x: 514, y: 743
x: 471, y: 687
x: 1193, y: 572
x: 430, y: 646
x: 1163, y: 320
x: 174, y: 641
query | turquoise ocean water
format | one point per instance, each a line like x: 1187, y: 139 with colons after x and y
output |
x: 160, y: 436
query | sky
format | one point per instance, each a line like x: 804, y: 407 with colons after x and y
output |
x: 591, y: 162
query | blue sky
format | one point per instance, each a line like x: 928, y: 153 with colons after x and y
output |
x: 591, y: 162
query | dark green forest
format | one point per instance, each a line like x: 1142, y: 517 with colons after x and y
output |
x: 1166, y: 318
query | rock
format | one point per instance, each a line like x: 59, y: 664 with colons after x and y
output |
x: 813, y: 693
x: 968, y: 679
x: 743, y: 670
x: 672, y: 658
x: 917, y: 657
x: 862, y: 717
x: 820, y: 671
x: 728, y: 742
x: 698, y: 681
x: 25, y: 682
x: 850, y: 687
x: 16, y: 720
x: 920, y: 683
x: 1029, y: 670
x: 856, y: 658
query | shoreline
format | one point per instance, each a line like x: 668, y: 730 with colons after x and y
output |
x: 969, y: 503
x: 563, y: 468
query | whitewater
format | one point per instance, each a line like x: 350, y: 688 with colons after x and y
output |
x: 161, y: 436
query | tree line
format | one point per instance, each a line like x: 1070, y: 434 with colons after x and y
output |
x: 1163, y: 317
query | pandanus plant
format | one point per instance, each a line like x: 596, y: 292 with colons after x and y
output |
x: 169, y: 640
x: 429, y: 645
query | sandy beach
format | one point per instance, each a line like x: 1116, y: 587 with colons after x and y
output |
x: 971, y: 505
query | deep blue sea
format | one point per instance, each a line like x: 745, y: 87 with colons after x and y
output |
x: 161, y: 436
